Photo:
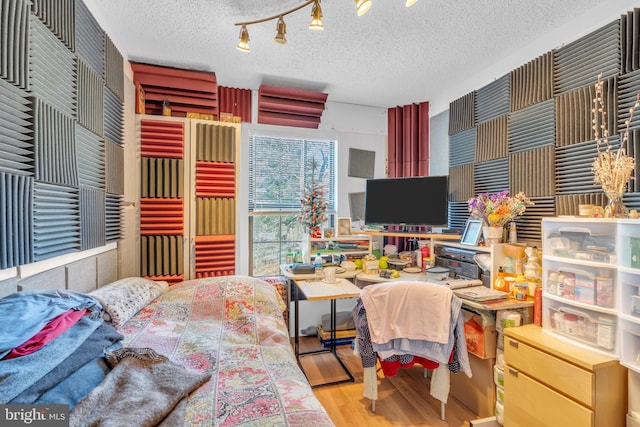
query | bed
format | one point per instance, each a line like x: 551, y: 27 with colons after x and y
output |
x: 204, y: 352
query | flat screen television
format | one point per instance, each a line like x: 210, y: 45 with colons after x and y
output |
x: 412, y: 201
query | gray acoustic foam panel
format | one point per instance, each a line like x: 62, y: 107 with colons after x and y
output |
x: 58, y: 17
x: 578, y: 64
x: 461, y: 183
x: 533, y: 172
x: 55, y: 147
x: 533, y: 127
x: 356, y: 206
x: 633, y: 149
x: 529, y: 224
x: 573, y: 168
x: 16, y: 139
x: 215, y: 143
x: 462, y: 147
x: 462, y: 113
x: 113, y: 118
x: 16, y: 218
x: 361, y: 163
x: 491, y: 139
x: 92, y: 218
x: 492, y: 100
x: 89, y: 39
x: 90, y: 155
x: 113, y: 217
x: 458, y: 215
x: 630, y: 35
x: 567, y: 204
x: 90, y: 99
x: 162, y: 177
x: 114, y: 165
x: 161, y: 255
x: 14, y: 42
x: 533, y: 82
x: 56, y: 220
x: 113, y: 69
x: 52, y: 69
x: 628, y: 89
x: 491, y: 176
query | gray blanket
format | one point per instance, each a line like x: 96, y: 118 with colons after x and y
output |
x: 142, y: 389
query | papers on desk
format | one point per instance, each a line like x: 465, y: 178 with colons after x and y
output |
x: 480, y: 293
x: 461, y: 283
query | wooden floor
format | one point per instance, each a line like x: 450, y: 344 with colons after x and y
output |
x: 403, y: 400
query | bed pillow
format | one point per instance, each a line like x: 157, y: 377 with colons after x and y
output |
x: 122, y: 299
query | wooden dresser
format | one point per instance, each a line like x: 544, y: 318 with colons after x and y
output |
x: 551, y: 382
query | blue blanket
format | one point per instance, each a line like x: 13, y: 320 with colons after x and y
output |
x: 24, y: 314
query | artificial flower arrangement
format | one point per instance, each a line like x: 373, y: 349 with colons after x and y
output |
x: 496, y: 210
x: 313, y: 207
x: 612, y: 168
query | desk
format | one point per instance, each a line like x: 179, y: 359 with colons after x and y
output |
x: 317, y: 291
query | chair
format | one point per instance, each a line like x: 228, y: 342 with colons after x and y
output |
x: 410, y: 322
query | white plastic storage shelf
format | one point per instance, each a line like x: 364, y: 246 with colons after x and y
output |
x: 629, y: 301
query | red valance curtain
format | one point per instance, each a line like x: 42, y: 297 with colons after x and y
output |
x: 408, y: 147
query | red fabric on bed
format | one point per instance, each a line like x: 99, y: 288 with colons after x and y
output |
x: 48, y: 333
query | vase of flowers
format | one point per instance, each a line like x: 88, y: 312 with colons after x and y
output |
x: 495, y: 211
x: 612, y: 168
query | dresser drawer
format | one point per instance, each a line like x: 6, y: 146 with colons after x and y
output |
x: 528, y: 403
x: 574, y: 381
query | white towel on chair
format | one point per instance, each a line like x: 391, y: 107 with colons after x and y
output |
x: 403, y: 309
x: 440, y: 383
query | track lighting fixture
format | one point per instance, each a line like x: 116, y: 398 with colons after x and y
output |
x: 410, y: 3
x: 281, y: 30
x: 362, y: 6
x: 316, y: 13
x: 243, y: 46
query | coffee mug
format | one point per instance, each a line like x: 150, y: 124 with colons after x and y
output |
x: 330, y: 274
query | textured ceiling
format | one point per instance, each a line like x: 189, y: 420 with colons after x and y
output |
x: 390, y: 56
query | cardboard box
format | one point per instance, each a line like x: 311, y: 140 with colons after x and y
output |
x: 478, y: 392
x: 481, y: 336
x: 370, y: 267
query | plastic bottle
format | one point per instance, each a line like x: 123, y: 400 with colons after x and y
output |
x: 317, y: 263
x: 500, y: 284
x: 513, y: 234
x: 531, y: 269
x: 521, y: 288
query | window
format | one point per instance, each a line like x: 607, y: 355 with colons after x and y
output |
x: 279, y: 168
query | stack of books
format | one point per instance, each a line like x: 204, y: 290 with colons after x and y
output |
x: 342, y: 337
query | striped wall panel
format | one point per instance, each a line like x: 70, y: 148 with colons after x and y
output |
x: 578, y: 64
x: 16, y: 216
x: 215, y: 216
x: 491, y: 139
x: 533, y: 172
x: 628, y: 90
x: 215, y: 143
x: 58, y: 16
x: 408, y: 140
x: 55, y: 146
x: 573, y: 168
x: 52, y: 69
x: 160, y: 138
x: 529, y: 225
x: 284, y: 106
x: 92, y: 218
x: 89, y: 39
x: 235, y: 101
x: 113, y: 69
x: 458, y: 214
x: 113, y: 217
x: 162, y: 256
x: 632, y: 200
x: 629, y: 37
x: 56, y: 220
x: 161, y: 216
x: 113, y: 117
x: 574, y: 113
x: 162, y: 178
x: 186, y: 90
x: 114, y: 168
x: 90, y: 155
x: 567, y: 204
x: 16, y: 139
x: 90, y: 99
x: 532, y: 127
x: 462, y: 148
x: 14, y: 42
x: 532, y: 83
x: 215, y: 179
x: 462, y: 113
x: 633, y: 149
x: 215, y: 256
x: 461, y: 183
x: 492, y: 100
x: 491, y: 176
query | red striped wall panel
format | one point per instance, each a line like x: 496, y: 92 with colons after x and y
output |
x: 215, y: 179
x: 290, y: 107
x: 161, y: 216
x: 235, y: 101
x: 215, y: 256
x: 160, y: 138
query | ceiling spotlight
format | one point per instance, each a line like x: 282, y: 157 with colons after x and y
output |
x: 243, y: 46
x: 281, y: 29
x: 362, y: 6
x: 316, y: 22
x: 410, y: 3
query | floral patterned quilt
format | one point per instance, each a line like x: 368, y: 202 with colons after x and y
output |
x: 233, y: 328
